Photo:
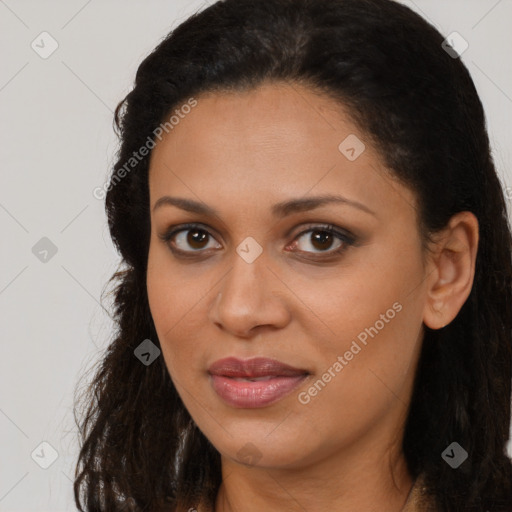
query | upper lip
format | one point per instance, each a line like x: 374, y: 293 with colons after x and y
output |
x: 251, y: 368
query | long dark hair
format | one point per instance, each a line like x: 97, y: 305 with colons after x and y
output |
x: 140, y: 448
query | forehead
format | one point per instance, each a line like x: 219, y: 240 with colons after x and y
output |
x: 267, y: 144
x: 278, y: 118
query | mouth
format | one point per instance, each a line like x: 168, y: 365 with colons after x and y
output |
x: 254, y: 383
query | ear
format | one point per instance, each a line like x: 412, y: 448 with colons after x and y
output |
x: 451, y: 270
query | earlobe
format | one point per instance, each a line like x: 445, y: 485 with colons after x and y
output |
x: 452, y: 270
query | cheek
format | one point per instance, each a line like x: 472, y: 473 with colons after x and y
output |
x: 375, y: 302
x: 375, y: 381
x: 172, y: 304
x: 376, y: 329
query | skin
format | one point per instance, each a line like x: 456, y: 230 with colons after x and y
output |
x: 240, y: 153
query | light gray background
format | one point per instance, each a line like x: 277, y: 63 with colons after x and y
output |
x: 57, y: 145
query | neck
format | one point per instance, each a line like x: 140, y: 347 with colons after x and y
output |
x: 380, y: 482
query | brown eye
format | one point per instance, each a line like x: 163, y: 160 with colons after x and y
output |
x: 196, y: 238
x: 322, y: 239
x: 188, y: 239
x: 191, y: 238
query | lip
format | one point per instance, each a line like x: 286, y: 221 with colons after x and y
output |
x: 228, y: 379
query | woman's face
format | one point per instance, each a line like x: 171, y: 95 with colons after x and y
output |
x: 256, y: 279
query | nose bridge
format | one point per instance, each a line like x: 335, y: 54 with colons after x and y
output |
x: 246, y: 280
x: 245, y: 297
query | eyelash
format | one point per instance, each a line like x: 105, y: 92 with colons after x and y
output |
x: 348, y: 240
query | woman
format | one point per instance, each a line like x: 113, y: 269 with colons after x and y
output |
x: 315, y: 307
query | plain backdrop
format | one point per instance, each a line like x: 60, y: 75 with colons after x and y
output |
x: 57, y: 145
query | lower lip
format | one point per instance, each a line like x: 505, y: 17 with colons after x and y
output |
x: 253, y: 394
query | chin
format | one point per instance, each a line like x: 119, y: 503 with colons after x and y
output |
x: 257, y: 448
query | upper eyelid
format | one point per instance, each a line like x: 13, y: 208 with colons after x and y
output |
x: 339, y: 233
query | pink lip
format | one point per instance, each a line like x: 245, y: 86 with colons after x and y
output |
x: 281, y: 380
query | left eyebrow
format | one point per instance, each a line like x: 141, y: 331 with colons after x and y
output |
x: 278, y: 210
x: 310, y: 203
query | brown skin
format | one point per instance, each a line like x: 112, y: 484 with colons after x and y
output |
x: 241, y: 153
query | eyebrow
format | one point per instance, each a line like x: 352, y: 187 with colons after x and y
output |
x: 282, y: 209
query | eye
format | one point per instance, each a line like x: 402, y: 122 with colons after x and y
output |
x: 191, y: 238
x: 322, y: 238
x: 191, y: 235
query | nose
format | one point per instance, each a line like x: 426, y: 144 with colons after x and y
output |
x: 251, y: 296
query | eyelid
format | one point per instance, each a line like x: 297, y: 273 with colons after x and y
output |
x: 346, y: 237
x: 174, y: 230
x: 326, y: 226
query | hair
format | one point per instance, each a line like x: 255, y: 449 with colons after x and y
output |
x: 140, y: 449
